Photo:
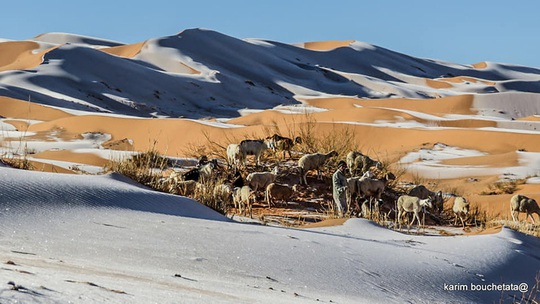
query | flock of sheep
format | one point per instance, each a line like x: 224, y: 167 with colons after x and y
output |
x: 362, y: 187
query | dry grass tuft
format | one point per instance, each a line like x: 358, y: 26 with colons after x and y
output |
x: 504, y: 187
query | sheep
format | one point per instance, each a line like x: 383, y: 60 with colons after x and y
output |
x: 358, y: 161
x: 242, y: 198
x: 261, y: 180
x: 436, y: 197
x: 352, y: 187
x: 313, y: 161
x: 281, y: 192
x: 233, y: 155
x: 372, y: 189
x: 254, y: 147
x: 521, y: 203
x: 407, y: 203
x: 461, y: 209
x: 285, y: 144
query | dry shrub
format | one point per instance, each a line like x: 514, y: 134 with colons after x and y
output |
x: 341, y: 138
x: 145, y: 167
x: 18, y: 162
x: 205, y: 194
x: 504, y: 187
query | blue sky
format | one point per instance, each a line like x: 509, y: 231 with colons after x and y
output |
x: 459, y: 31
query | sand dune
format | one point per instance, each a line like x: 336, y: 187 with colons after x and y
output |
x: 21, y: 55
x: 326, y: 45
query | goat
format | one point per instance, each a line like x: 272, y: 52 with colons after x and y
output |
x: 521, y: 203
x: 243, y: 197
x: 254, y: 147
x: 313, y: 162
x: 461, y: 209
x: 436, y: 197
x: 258, y: 180
x: 356, y: 160
x: 233, y: 155
x: 285, y: 144
x: 279, y: 192
x: 407, y: 203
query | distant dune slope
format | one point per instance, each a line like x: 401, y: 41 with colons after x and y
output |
x: 202, y: 73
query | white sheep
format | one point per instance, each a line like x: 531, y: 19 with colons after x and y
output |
x: 436, y: 197
x: 521, y: 203
x: 313, y: 161
x: 233, y: 155
x: 281, y: 192
x: 461, y: 209
x: 243, y: 198
x: 358, y: 161
x: 407, y: 203
x: 261, y: 180
x: 254, y: 147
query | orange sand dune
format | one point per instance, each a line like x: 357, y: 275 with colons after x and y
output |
x: 326, y: 45
x: 509, y: 159
x: 480, y: 65
x: 366, y: 115
x: 15, y: 108
x: 66, y: 155
x: 127, y: 51
x: 18, y: 55
x: 174, y: 136
x: 46, y: 167
x: 437, y: 84
x: 461, y: 104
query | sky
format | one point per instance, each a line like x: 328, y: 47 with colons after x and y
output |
x: 458, y: 31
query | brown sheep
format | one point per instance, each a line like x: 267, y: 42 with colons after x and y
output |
x: 521, y: 203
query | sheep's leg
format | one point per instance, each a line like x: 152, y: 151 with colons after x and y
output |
x: 462, y: 222
x: 532, y: 217
x: 515, y: 214
x: 415, y: 216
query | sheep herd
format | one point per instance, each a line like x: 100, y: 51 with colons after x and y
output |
x: 240, y: 184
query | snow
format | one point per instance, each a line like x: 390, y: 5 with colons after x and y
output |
x: 103, y: 238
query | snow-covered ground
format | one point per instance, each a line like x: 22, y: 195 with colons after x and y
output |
x: 104, y: 239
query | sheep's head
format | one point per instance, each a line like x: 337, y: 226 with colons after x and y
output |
x: 426, y: 203
x: 533, y: 205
